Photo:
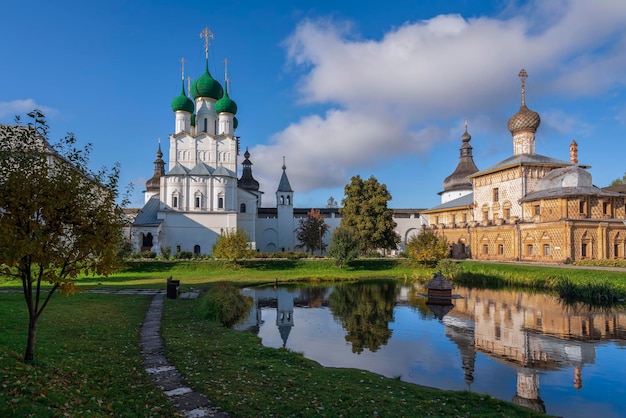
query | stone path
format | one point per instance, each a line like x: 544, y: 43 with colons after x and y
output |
x: 187, y: 402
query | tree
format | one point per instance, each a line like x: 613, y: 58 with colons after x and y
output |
x: 311, y: 230
x: 344, y: 245
x: 58, y: 219
x: 619, y: 181
x: 365, y: 210
x: 427, y: 247
x: 232, y: 245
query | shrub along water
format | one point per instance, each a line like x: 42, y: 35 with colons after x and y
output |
x: 225, y: 304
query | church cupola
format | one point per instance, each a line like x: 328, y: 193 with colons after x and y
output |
x: 458, y: 184
x: 247, y: 181
x: 206, y: 91
x: 226, y: 109
x: 183, y: 107
x: 524, y: 124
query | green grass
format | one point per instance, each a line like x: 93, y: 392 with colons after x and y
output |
x: 88, y: 360
x: 593, y: 286
x: 153, y: 274
x: 248, y: 380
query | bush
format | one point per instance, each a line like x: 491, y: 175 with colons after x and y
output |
x: 225, y: 304
x: 184, y: 255
x: 428, y: 248
x: 449, y: 268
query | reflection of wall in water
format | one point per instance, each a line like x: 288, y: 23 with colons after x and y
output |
x: 534, y: 331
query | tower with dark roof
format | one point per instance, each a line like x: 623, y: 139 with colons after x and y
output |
x: 458, y: 184
x: 153, y: 186
x: 284, y: 205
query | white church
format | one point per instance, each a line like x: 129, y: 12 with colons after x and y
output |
x: 201, y: 196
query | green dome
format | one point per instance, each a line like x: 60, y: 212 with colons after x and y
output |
x: 182, y: 102
x: 206, y: 86
x: 225, y: 104
x: 235, y: 122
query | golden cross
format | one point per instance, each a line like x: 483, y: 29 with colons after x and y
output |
x: 206, y: 34
x: 182, y: 61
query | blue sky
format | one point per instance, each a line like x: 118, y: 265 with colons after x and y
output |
x: 338, y: 88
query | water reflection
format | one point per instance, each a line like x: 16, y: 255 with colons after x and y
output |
x: 521, y: 347
x: 364, y: 310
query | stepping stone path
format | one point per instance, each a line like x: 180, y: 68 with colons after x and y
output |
x: 187, y: 402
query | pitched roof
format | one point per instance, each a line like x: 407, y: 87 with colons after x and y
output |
x: 201, y: 169
x: 178, y: 170
x: 461, y: 202
x: 527, y: 160
x: 148, y: 214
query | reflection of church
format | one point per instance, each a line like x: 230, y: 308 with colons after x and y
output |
x: 531, y: 332
x: 283, y: 300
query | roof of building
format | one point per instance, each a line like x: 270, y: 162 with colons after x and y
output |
x: 201, y: 169
x: 524, y: 160
x: 206, y: 86
x: 464, y: 201
x: 225, y: 105
x: 459, y: 180
x: 284, y: 185
x: 566, y: 181
x: 147, y: 216
x: 223, y: 171
x: 178, y: 170
x: 182, y: 102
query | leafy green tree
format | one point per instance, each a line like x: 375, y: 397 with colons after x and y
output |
x: 232, y: 245
x: 58, y: 219
x: 344, y: 245
x: 365, y: 210
x: 427, y: 248
x: 365, y: 311
x: 311, y: 230
x: 619, y: 181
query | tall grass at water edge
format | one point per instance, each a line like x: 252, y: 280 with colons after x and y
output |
x: 571, y: 284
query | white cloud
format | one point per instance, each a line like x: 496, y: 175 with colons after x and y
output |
x: 397, y: 95
x: 22, y: 107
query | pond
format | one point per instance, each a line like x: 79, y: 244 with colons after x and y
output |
x: 525, y: 348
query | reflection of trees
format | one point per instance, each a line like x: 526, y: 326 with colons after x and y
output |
x: 314, y: 296
x: 365, y: 310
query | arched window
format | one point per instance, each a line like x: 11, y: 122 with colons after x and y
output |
x: 147, y: 241
x: 220, y: 203
x: 282, y: 200
x: 196, y: 249
x: 289, y: 200
x: 206, y: 125
x: 242, y: 208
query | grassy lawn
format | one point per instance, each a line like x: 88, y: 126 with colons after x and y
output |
x: 248, y: 380
x: 88, y: 361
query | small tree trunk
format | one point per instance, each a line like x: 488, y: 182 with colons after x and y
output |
x: 29, y: 356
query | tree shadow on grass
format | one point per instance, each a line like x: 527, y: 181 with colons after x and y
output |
x: 373, y: 265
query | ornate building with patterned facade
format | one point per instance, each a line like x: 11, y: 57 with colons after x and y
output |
x: 529, y: 207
